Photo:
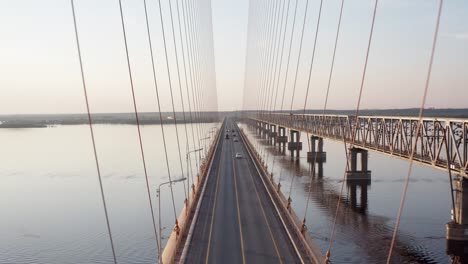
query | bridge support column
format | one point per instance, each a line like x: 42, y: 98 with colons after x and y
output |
x: 282, y: 139
x: 295, y: 145
x: 317, y: 153
x: 457, y: 229
x: 272, y: 135
x: 354, y: 173
x: 263, y: 130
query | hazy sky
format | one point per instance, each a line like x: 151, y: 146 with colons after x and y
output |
x: 39, y: 71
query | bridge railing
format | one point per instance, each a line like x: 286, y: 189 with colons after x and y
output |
x: 442, y: 142
x: 184, y: 220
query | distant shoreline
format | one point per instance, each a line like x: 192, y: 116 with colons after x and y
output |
x: 47, y: 120
x: 153, y: 118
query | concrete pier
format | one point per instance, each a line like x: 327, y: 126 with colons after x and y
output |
x: 294, y: 144
x: 272, y: 135
x: 354, y: 172
x: 282, y: 139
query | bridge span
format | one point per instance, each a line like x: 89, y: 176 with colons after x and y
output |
x: 442, y: 142
x: 240, y: 216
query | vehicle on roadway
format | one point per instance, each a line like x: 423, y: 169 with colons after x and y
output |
x: 238, y: 155
x: 236, y: 140
x: 227, y: 136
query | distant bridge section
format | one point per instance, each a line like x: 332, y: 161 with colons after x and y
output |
x: 442, y: 142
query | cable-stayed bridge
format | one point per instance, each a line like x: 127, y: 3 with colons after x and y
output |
x: 234, y: 211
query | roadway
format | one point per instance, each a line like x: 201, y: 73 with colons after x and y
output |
x: 237, y: 221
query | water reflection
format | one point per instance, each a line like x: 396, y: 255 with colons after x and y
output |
x: 357, y: 189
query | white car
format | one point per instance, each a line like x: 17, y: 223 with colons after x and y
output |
x: 238, y: 155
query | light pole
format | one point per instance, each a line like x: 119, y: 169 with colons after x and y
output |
x: 188, y: 180
x: 158, y: 194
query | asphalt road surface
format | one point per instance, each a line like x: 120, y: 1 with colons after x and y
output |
x: 237, y: 222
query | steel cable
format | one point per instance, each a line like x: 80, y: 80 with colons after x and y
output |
x: 172, y: 95
x: 91, y: 130
x: 421, y: 114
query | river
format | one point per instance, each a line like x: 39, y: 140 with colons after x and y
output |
x: 51, y: 209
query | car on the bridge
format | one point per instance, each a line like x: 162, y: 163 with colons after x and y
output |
x: 238, y: 155
x: 236, y: 140
x: 227, y: 136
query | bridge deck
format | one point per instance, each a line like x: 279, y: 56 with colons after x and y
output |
x: 237, y: 222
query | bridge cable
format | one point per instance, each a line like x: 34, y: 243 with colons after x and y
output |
x: 213, y: 55
x: 202, y: 69
x: 182, y: 103
x: 191, y: 75
x: 295, y: 80
x: 305, y: 105
x: 137, y: 119
x: 188, y: 94
x: 326, y: 99
x: 299, y: 56
x: 278, y: 80
x: 263, y: 40
x: 150, y: 43
x: 196, y: 65
x: 263, y: 61
x: 272, y: 79
x: 266, y: 53
x: 332, y: 234
x: 269, y: 68
x: 91, y: 130
x: 286, y: 73
x: 421, y: 114
x: 171, y: 93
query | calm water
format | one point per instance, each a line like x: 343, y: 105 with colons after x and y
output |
x: 51, y: 212
x: 50, y: 205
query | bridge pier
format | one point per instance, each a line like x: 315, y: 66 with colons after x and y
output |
x: 355, y: 173
x: 282, y: 139
x: 264, y: 130
x: 457, y: 229
x: 295, y: 145
x: 317, y: 153
x: 272, y: 134
x: 258, y: 127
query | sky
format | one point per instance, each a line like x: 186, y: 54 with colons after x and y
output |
x: 39, y: 70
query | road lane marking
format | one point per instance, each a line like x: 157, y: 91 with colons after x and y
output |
x: 237, y: 204
x: 214, y: 206
x: 265, y: 217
